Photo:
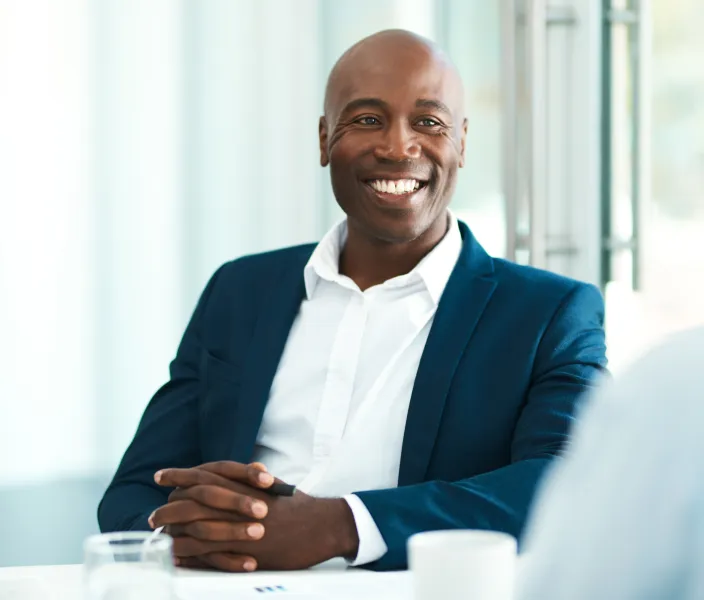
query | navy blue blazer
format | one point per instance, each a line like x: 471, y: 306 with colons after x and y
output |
x: 510, y: 351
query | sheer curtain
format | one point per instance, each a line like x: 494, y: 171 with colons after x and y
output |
x: 142, y: 144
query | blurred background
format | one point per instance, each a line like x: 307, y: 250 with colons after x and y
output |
x: 145, y: 142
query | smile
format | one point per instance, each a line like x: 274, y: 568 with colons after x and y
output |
x: 397, y: 187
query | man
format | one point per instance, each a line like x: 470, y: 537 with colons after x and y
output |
x: 622, y: 517
x: 395, y: 359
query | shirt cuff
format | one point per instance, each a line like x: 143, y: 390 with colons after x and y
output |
x: 371, y: 544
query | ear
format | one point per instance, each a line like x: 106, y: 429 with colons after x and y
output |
x: 323, y: 137
x: 463, y: 140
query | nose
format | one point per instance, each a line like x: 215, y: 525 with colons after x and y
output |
x: 398, y: 144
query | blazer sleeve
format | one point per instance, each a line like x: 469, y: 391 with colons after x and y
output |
x: 167, y: 436
x: 570, y: 355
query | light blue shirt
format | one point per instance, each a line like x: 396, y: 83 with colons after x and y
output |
x: 622, y: 516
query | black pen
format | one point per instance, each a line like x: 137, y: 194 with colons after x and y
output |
x: 280, y: 489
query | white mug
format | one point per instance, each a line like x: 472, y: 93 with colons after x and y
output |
x: 463, y: 564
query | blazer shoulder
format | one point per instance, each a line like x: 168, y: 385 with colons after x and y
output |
x: 538, y: 282
x: 265, y: 264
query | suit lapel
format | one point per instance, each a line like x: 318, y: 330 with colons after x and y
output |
x: 280, y: 302
x: 466, y: 295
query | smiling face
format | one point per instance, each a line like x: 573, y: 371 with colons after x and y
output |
x: 393, y: 134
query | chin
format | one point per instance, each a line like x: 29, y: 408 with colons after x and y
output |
x: 399, y: 232
x: 389, y: 224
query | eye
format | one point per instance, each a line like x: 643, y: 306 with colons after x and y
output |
x: 428, y: 122
x: 368, y: 120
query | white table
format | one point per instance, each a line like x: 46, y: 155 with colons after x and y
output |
x: 330, y: 581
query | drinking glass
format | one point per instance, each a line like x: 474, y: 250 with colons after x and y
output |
x: 128, y: 566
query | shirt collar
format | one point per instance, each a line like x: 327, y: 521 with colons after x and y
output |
x: 434, y: 269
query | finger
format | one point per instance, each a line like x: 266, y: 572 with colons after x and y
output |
x: 216, y: 474
x: 244, y: 489
x: 225, y: 561
x: 205, y: 478
x: 223, y: 499
x: 192, y: 562
x: 255, y: 474
x: 185, y: 547
x: 189, y: 477
x: 220, y: 531
x: 188, y: 511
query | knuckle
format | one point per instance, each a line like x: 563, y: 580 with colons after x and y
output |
x: 238, y: 531
x: 218, y: 466
x: 179, y: 494
x: 210, y: 495
x: 200, y: 493
x: 165, y: 515
x: 198, y: 529
x: 192, y: 508
x: 243, y: 504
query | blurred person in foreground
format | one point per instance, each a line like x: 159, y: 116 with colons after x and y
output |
x: 622, y: 516
x: 402, y: 378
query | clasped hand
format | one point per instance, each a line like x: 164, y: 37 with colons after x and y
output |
x: 221, y: 517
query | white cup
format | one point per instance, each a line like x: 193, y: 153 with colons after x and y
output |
x: 463, y: 564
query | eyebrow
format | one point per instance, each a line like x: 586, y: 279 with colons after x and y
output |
x: 436, y: 104
x: 379, y: 103
x: 365, y: 102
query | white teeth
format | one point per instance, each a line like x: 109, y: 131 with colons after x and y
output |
x: 399, y: 186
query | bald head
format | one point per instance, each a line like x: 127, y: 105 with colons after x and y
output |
x: 387, y: 53
x: 394, y: 135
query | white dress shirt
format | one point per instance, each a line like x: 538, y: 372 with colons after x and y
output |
x: 336, y: 415
x: 622, y: 516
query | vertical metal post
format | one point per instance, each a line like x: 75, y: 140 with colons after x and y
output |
x: 536, y: 37
x: 509, y: 151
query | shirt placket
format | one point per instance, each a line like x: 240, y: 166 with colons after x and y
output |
x: 338, y: 387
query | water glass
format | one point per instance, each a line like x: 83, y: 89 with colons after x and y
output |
x: 128, y: 566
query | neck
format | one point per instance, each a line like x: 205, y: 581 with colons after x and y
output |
x: 369, y: 262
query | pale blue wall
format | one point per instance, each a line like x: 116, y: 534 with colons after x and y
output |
x: 45, y: 524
